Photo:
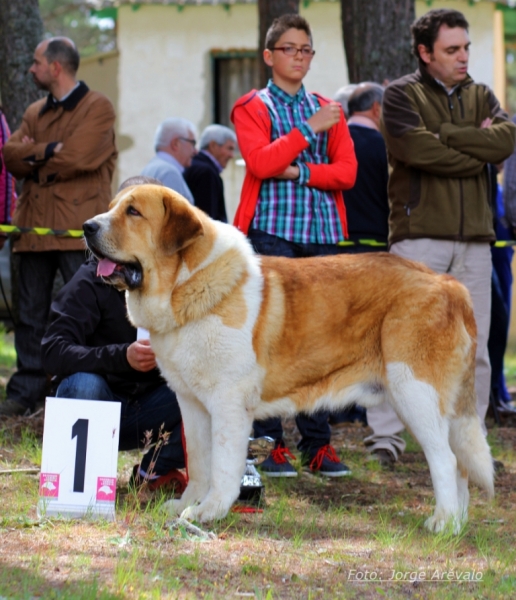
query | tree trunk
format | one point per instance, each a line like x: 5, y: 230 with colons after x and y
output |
x: 21, y: 30
x: 377, y: 39
x: 268, y: 10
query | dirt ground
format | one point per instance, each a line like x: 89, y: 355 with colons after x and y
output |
x: 254, y: 553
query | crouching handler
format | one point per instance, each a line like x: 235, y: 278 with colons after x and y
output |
x: 91, y: 347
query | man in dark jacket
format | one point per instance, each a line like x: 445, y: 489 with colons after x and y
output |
x: 367, y: 204
x: 91, y: 347
x: 218, y: 145
x: 441, y: 129
x: 93, y: 350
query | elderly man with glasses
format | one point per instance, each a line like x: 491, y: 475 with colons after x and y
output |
x: 174, y: 143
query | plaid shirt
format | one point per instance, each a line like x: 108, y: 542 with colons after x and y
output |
x: 291, y: 209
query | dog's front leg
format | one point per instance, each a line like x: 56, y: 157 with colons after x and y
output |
x: 231, y: 425
x: 197, y: 429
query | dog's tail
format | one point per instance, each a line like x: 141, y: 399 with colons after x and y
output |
x: 470, y: 446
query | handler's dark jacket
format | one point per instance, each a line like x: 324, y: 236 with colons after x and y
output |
x: 89, y: 332
x: 439, y: 184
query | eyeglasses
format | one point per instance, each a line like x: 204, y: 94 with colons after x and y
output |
x: 193, y: 142
x: 306, y: 51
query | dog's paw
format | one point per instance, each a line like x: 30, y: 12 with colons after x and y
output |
x: 436, y: 524
x: 204, y: 512
x: 173, y: 507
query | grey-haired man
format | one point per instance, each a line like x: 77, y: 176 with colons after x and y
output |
x: 174, y: 143
x: 218, y: 145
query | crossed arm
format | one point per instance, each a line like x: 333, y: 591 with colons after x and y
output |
x: 85, y: 148
x: 453, y: 152
x: 268, y: 160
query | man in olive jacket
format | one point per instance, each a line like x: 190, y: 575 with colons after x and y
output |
x: 441, y: 129
x: 65, y: 152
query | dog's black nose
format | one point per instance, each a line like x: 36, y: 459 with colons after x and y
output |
x: 90, y: 227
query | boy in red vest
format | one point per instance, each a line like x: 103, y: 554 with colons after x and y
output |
x: 299, y: 157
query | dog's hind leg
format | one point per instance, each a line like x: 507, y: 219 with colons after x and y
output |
x: 462, y: 492
x: 197, y: 430
x: 417, y: 405
x: 231, y: 425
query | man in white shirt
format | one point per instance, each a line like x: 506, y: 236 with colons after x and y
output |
x: 174, y: 143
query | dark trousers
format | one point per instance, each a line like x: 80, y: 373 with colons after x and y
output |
x: 148, y: 412
x: 501, y: 288
x: 314, y: 429
x: 498, y: 334
x: 37, y: 271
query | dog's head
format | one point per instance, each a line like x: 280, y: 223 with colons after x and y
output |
x: 144, y: 225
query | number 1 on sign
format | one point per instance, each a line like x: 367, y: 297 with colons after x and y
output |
x: 80, y: 431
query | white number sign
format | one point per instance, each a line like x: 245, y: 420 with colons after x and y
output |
x: 79, y: 462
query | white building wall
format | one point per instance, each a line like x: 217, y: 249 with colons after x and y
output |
x: 165, y: 69
x: 165, y: 65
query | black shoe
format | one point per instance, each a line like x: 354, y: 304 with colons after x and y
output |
x: 498, y: 466
x: 277, y: 464
x: 11, y: 408
x: 326, y: 462
x: 506, y: 409
x: 385, y: 457
x: 172, y: 482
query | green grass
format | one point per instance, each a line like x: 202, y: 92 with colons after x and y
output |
x: 310, y: 541
x: 510, y: 368
x: 7, y: 351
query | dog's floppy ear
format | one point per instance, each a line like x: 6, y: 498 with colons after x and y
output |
x: 181, y: 226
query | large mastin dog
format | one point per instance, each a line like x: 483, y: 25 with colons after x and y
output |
x: 242, y: 337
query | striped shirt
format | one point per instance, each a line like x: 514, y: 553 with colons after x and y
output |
x: 291, y: 209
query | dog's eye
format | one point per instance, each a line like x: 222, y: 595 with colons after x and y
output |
x: 132, y: 211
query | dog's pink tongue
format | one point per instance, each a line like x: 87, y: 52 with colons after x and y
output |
x: 105, y: 267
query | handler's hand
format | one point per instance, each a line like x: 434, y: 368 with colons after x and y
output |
x: 291, y: 172
x: 486, y: 123
x: 140, y: 356
x: 325, y: 118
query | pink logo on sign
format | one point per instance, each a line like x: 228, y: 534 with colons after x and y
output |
x: 49, y: 485
x: 106, y: 489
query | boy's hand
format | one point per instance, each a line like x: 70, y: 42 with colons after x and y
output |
x: 325, y: 118
x: 140, y: 356
x: 486, y: 123
x: 291, y: 172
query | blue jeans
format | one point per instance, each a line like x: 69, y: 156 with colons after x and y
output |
x: 314, y: 429
x: 36, y: 274
x: 145, y: 413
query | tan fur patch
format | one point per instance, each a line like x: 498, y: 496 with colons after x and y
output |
x: 325, y: 324
x: 205, y: 289
x: 462, y: 470
x: 197, y: 253
x: 233, y: 308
